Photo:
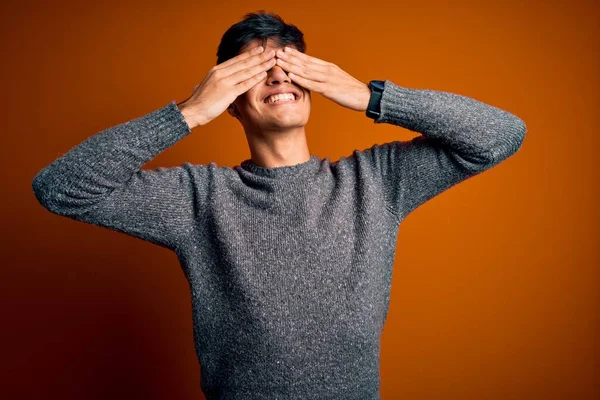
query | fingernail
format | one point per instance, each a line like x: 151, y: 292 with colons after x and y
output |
x: 287, y: 50
x: 259, y: 49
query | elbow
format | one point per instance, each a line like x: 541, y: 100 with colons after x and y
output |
x: 514, y: 135
x: 509, y: 140
x: 40, y: 190
x: 517, y: 130
x: 46, y: 192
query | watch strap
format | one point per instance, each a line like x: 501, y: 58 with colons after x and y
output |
x: 374, y: 107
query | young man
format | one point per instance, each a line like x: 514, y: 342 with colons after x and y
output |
x: 288, y: 256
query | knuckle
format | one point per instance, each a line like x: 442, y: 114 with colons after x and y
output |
x: 217, y: 73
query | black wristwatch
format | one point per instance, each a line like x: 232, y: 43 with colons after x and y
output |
x: 374, y: 108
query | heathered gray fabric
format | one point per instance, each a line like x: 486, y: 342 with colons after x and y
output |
x: 289, y: 268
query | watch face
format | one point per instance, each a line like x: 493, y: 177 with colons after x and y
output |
x: 378, y: 85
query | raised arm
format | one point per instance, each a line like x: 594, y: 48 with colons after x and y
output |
x: 461, y: 137
x: 100, y: 181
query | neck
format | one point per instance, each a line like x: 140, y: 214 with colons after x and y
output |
x: 278, y: 149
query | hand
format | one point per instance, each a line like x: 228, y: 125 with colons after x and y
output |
x: 325, y: 78
x: 224, y: 83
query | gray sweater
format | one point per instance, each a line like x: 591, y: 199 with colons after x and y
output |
x: 289, y: 268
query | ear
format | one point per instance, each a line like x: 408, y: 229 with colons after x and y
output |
x: 232, y: 110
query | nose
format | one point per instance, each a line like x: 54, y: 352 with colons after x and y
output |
x: 277, y: 75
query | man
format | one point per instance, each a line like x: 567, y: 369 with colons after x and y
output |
x: 288, y: 256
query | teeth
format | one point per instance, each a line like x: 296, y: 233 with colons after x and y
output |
x: 279, y: 97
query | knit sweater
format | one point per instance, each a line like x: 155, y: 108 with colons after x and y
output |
x: 289, y: 268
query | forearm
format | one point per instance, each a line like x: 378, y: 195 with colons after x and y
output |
x: 479, y: 132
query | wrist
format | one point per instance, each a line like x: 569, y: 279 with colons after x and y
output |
x: 364, y: 99
x: 190, y: 118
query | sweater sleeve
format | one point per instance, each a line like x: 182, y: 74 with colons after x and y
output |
x: 100, y: 181
x: 460, y: 137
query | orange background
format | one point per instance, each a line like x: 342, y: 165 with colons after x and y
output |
x: 496, y: 284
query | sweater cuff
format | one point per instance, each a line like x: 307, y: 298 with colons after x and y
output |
x: 400, y: 106
x: 165, y: 126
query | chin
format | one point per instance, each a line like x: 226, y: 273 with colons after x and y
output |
x: 282, y: 127
x: 287, y: 122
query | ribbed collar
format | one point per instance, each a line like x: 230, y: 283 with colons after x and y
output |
x: 307, y: 168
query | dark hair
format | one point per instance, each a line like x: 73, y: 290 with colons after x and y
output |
x: 261, y: 25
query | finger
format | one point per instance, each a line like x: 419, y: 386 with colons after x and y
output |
x: 303, y: 56
x: 248, y: 64
x: 254, y: 51
x: 305, y: 83
x: 248, y: 84
x: 303, y: 63
x: 249, y: 72
x: 302, y: 71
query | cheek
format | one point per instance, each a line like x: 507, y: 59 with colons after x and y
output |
x: 308, y: 102
x: 253, y: 100
x: 247, y: 103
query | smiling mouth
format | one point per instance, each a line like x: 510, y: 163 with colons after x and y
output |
x: 282, y: 101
